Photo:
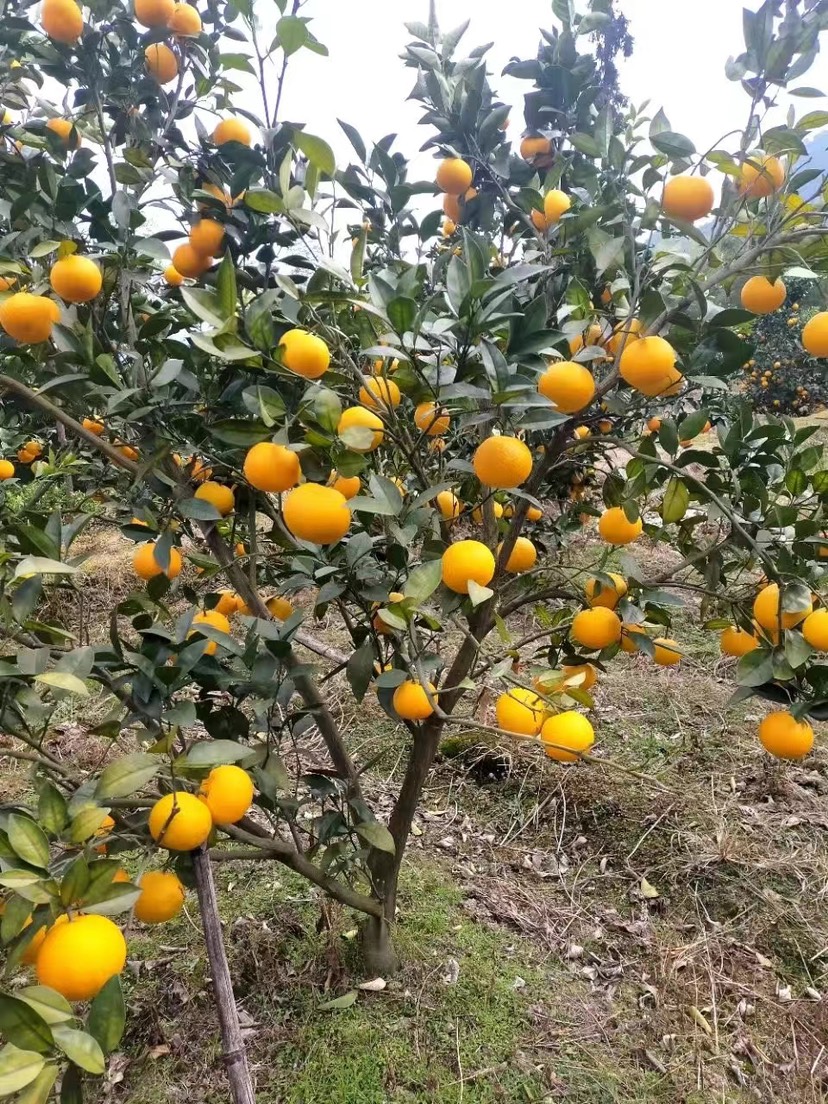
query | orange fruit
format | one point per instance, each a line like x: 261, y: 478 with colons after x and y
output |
x: 25, y: 457
x: 520, y: 711
x: 449, y: 505
x: 184, y: 20
x: 356, y: 421
x: 146, y: 566
x: 215, y: 620
x: 162, y: 897
x: 317, y: 514
x: 581, y: 432
x: 666, y: 652
x: 761, y: 176
x: 594, y: 335
x: 64, y: 129
x: 477, y: 513
x: 189, y: 263
x: 217, y: 495
x: 815, y: 629
x: 596, y: 628
x: 615, y: 527
x: 6, y: 470
x: 106, y: 826
x: 464, y: 561
x: 737, y: 642
x: 348, y: 486
x: 379, y: 393
x: 207, y: 236
x: 574, y: 671
x: 448, y: 228
x: 814, y: 334
x: 453, y: 209
x: 649, y: 365
x: 173, y: 276
x: 555, y: 204
x: 522, y: 557
x: 231, y: 130
x: 654, y: 425
x: 502, y: 462
x: 154, y: 13
x: 179, y: 821
x: 454, y: 176
x: 536, y: 149
x: 431, y: 419
x: 34, y: 447
x: 766, y: 610
x: 79, y: 957
x: 228, y: 603
x: 304, y: 353
x: 566, y: 736
x: 687, y: 197
x: 271, y: 467
x: 602, y: 594
x: 62, y: 20
x: 411, y: 701
x: 161, y: 62
x: 227, y: 791
x: 568, y: 385
x: 785, y: 737
x: 28, y: 318
x: 91, y: 425
x: 762, y: 295
x: 75, y: 279
x: 539, y: 220
x: 280, y: 609
x: 624, y: 334
x: 628, y: 634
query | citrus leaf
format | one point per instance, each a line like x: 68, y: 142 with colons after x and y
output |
x: 212, y: 753
x: 49, y: 1004
x: 40, y: 1089
x: 18, y: 1068
x: 23, y: 1026
x: 423, y: 580
x: 80, y: 1048
x: 345, y: 1001
x: 28, y: 840
x: 478, y: 594
x: 317, y: 151
x: 63, y: 680
x: 377, y: 835
x: 107, y: 1016
x: 39, y: 565
x: 126, y: 776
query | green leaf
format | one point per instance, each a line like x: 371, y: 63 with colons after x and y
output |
x: 360, y: 668
x: 86, y: 823
x: 44, y: 248
x: 28, y: 840
x: 585, y: 144
x: 377, y: 835
x: 673, y: 144
x: 51, y: 808
x: 21, y: 1025
x: 676, y: 500
x: 226, y: 286
x: 39, y: 565
x: 317, y: 151
x: 355, y: 139
x: 80, y: 1048
x: 423, y: 580
x: 63, y: 680
x: 212, y: 753
x: 39, y: 1091
x: 18, y: 1068
x: 292, y: 33
x: 264, y: 201
x: 107, y: 1016
x: 755, y: 668
x: 127, y: 776
x: 49, y: 1005
x: 238, y: 433
x: 205, y: 305
x: 345, y: 1001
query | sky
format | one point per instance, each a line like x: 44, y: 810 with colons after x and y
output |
x: 678, y: 63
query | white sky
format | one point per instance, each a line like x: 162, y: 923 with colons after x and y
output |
x: 678, y: 63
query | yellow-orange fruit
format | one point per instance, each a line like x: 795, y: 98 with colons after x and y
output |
x: 454, y: 176
x: 687, y: 197
x: 762, y: 295
x: 317, y: 514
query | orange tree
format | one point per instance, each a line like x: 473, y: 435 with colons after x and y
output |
x: 276, y: 376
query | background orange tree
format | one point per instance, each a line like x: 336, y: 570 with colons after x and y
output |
x: 294, y: 378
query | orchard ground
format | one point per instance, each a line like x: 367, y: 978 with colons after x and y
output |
x: 570, y: 933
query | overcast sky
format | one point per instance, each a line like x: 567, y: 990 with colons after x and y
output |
x: 678, y: 63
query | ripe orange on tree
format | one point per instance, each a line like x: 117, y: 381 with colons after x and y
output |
x: 62, y: 20
x: 567, y: 736
x: 348, y: 486
x: 64, y: 129
x: 379, y: 393
x: 304, y: 353
x: 761, y: 175
x: 521, y: 711
x: 93, y: 426
x: 146, y: 566
x: 687, y: 197
x: 523, y: 556
x: 411, y: 701
x: 75, y: 279
x: 179, y: 821
x: 317, y: 514
x: 232, y: 130
x: 189, y: 263
x: 449, y: 505
x: 666, y: 652
x: 596, y: 628
x: 162, y: 897
x: 279, y: 608
x: 784, y: 736
x: 537, y: 149
x: 600, y: 593
x: 184, y: 20
x: 814, y: 334
x: 77, y: 958
x: 215, y: 620
x: 502, y: 462
x: 762, y: 295
x: 582, y: 675
x: 227, y: 791
x: 453, y: 208
x: 737, y: 642
x: 6, y: 470
x: 154, y: 13
x: 815, y: 629
x: 555, y: 204
x: 570, y: 386
x: 271, y: 467
x: 767, y: 613
x: 465, y: 561
x: 29, y: 318
x: 477, y: 513
x: 616, y: 528
x: 173, y: 276
x: 431, y: 419
x: 162, y: 63
x: 206, y: 236
x: 361, y: 429
x: 454, y: 176
x: 649, y: 365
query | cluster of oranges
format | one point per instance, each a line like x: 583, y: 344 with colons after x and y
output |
x: 29, y: 452
x: 77, y: 954
x: 181, y: 19
x: 29, y: 318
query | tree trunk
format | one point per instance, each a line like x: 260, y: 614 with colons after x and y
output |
x: 235, y: 1054
x: 378, y: 954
